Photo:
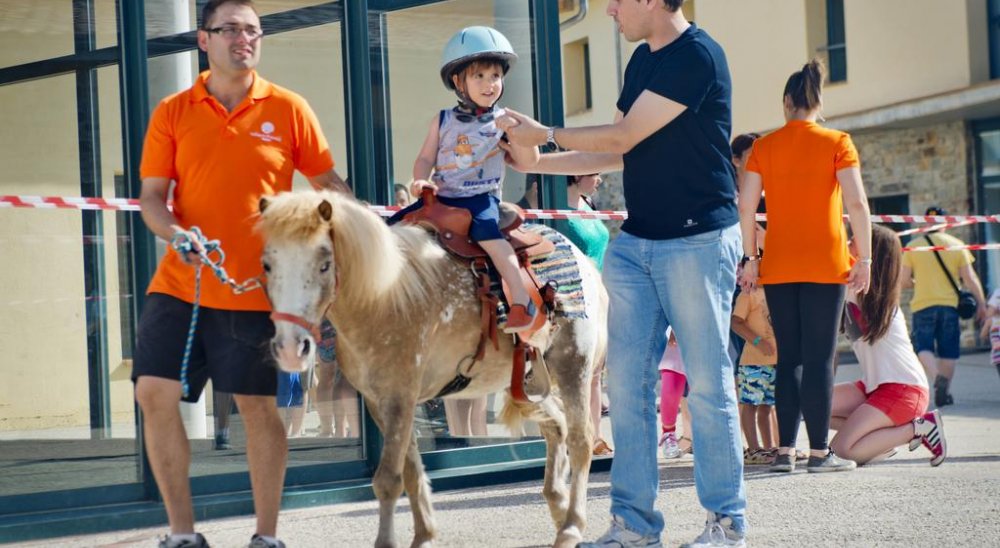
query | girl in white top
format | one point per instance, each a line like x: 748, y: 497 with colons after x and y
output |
x: 887, y: 406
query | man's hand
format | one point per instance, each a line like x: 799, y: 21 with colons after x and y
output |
x: 748, y: 278
x: 192, y: 257
x: 522, y: 130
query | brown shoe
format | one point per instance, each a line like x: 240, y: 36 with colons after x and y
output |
x: 520, y: 318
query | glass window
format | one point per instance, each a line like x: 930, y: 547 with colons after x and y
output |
x: 309, y: 62
x: 67, y: 421
x: 990, y: 154
x: 32, y: 30
x: 826, y: 36
x: 416, y: 38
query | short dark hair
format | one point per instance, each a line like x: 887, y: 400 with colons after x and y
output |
x: 212, y: 6
x: 743, y: 142
x: 673, y: 5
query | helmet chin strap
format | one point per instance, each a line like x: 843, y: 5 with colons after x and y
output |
x: 468, y: 105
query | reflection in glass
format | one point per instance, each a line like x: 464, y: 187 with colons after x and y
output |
x: 66, y: 419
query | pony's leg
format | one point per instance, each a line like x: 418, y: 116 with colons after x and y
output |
x: 394, y: 415
x: 579, y: 444
x: 418, y: 487
x: 553, y: 429
x: 573, y: 379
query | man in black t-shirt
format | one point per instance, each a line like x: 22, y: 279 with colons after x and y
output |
x: 674, y: 262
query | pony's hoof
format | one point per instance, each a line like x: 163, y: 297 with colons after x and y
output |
x: 568, y: 537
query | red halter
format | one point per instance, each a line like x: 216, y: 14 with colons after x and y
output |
x: 312, y: 328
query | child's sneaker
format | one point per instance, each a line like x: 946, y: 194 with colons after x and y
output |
x: 929, y: 430
x: 668, y: 446
x: 520, y: 318
x: 719, y: 531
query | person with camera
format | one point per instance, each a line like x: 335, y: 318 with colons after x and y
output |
x: 938, y: 303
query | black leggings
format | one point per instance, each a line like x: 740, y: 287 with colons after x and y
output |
x: 805, y: 317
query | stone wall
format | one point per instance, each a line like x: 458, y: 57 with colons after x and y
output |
x: 928, y: 163
x: 932, y: 165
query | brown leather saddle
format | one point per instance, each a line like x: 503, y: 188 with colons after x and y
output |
x: 451, y: 224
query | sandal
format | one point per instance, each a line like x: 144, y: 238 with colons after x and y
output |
x: 602, y: 449
x: 758, y: 456
x: 689, y: 450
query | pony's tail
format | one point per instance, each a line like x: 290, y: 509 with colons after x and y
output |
x: 514, y: 413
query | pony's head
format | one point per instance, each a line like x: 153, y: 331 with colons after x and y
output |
x: 326, y: 250
x: 298, y: 261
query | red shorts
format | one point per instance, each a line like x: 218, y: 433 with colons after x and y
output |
x: 900, y: 402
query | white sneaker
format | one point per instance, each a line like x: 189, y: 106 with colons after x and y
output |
x: 618, y: 536
x: 668, y: 446
x: 718, y: 531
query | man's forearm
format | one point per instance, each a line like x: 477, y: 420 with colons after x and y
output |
x: 606, y: 139
x: 578, y: 163
x: 158, y: 218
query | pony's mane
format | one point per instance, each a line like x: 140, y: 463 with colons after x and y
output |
x: 385, y: 272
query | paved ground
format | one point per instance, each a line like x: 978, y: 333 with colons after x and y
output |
x: 899, y: 502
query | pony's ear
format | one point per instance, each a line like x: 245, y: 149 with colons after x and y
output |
x: 325, y: 210
x: 263, y: 203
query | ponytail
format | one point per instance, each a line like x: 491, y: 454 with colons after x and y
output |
x: 805, y: 87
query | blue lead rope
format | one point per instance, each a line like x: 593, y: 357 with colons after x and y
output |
x: 182, y: 244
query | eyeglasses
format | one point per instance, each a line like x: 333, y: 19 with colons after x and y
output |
x: 231, y: 33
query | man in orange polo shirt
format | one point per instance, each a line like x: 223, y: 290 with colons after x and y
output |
x: 228, y: 140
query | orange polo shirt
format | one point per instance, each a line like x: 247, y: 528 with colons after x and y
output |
x: 806, y: 237
x: 223, y: 162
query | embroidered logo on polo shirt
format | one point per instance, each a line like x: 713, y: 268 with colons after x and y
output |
x: 265, y: 133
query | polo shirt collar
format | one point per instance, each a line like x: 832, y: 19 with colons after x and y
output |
x: 260, y: 89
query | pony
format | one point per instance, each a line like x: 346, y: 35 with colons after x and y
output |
x: 408, y: 321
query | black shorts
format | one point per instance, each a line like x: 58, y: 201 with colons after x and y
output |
x: 229, y: 347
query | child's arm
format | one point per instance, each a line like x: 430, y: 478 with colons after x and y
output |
x: 423, y: 166
x: 739, y: 325
x: 522, y: 155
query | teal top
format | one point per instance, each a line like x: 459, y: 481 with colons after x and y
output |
x: 590, y: 235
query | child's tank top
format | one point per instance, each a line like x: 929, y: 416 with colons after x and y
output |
x: 469, y: 160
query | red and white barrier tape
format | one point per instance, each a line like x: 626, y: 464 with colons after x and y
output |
x: 127, y: 204
x: 932, y: 228
x: 970, y: 247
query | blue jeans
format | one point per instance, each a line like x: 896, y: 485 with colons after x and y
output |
x: 687, y: 283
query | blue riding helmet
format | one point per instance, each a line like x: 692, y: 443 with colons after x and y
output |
x: 471, y: 44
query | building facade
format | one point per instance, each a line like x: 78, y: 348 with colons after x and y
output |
x: 914, y: 81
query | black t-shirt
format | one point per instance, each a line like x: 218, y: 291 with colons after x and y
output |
x: 680, y: 181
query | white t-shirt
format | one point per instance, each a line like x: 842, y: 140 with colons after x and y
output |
x: 890, y: 359
x: 671, y: 359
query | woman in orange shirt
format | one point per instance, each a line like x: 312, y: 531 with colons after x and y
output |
x: 809, y: 174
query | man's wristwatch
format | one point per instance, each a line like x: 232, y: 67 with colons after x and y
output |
x: 550, y: 137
